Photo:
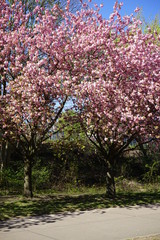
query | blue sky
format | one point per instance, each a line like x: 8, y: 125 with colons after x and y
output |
x: 150, y: 8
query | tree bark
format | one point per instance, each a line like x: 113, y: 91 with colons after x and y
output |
x: 28, y: 178
x: 110, y: 183
x: 5, y: 153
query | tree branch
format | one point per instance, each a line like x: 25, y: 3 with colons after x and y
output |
x: 52, y: 122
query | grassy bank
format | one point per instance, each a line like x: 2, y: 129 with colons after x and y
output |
x: 72, y: 200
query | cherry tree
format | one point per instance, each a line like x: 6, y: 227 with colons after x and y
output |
x: 118, y: 98
x: 35, y: 97
x: 12, y: 55
x: 17, y: 19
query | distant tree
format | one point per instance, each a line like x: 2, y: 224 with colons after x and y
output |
x: 154, y: 28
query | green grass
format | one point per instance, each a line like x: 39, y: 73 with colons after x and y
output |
x: 18, y: 206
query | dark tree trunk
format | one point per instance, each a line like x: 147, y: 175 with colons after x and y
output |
x: 5, y: 153
x: 110, y: 182
x: 28, y: 178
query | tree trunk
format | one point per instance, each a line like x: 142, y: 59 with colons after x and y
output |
x: 5, y: 154
x: 28, y: 178
x: 110, y: 183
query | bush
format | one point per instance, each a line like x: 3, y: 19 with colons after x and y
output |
x: 40, y: 176
x: 12, y: 180
x: 72, y: 162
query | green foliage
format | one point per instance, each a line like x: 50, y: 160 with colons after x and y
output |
x: 40, y: 176
x: 141, y: 165
x: 11, y: 181
x: 152, y: 164
x: 72, y: 163
x: 151, y: 175
x: 71, y: 128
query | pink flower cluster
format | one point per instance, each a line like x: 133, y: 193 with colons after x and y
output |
x: 109, y: 67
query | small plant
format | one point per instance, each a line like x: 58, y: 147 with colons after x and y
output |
x: 151, y: 174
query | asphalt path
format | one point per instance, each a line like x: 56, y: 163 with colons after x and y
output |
x: 102, y: 224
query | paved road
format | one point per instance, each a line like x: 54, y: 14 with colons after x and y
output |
x: 105, y: 224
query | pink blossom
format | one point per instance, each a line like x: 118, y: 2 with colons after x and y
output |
x: 137, y: 9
